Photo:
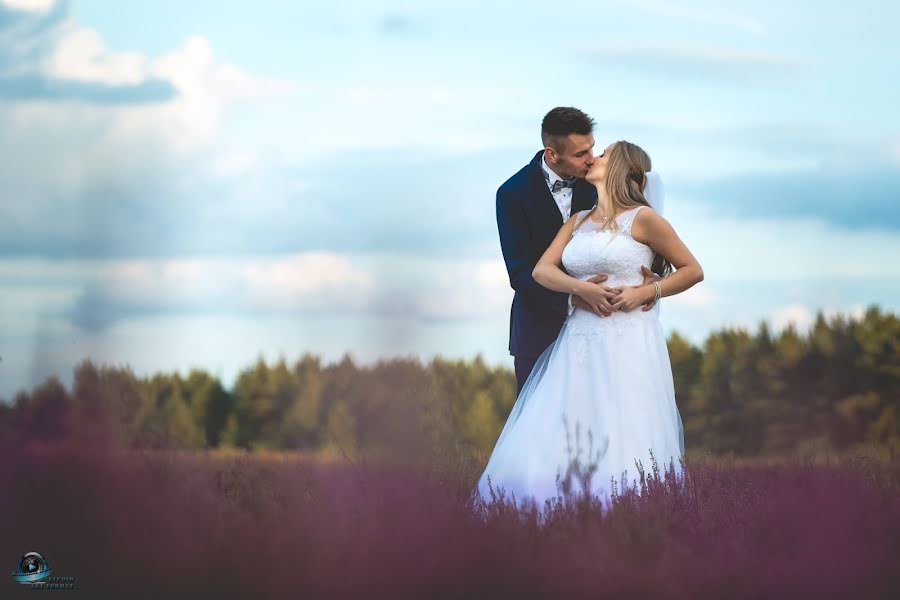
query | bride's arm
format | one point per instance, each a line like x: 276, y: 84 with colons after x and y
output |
x: 652, y: 229
x: 548, y: 272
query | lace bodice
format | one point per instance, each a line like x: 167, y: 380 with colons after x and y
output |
x: 592, y: 251
x: 615, y: 253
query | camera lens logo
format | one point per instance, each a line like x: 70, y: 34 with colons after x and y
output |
x: 33, y: 568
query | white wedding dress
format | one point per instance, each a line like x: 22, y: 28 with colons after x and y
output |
x: 606, y: 381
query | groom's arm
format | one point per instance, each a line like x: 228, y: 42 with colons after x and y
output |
x: 514, y: 241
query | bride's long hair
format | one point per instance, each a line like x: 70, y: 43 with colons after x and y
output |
x: 626, y: 177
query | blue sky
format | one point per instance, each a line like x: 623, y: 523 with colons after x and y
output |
x: 196, y: 184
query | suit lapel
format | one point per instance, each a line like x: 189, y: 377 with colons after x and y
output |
x: 545, y: 199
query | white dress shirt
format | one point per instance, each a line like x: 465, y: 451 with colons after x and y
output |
x: 563, y: 200
x: 563, y: 197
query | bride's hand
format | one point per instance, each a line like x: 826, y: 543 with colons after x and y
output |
x: 632, y: 296
x: 579, y: 302
x: 598, y: 297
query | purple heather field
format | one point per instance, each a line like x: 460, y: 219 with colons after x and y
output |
x: 172, y: 524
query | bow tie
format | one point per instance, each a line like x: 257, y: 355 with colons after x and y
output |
x: 563, y: 183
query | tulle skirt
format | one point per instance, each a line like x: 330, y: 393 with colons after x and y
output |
x: 599, y: 400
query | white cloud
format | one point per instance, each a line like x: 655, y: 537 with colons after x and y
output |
x: 311, y: 282
x: 305, y: 283
x: 855, y: 312
x: 798, y: 315
x: 802, y: 316
x: 76, y: 169
x: 96, y: 294
x: 81, y: 54
x: 32, y: 5
x: 206, y: 88
x: 170, y: 313
x: 465, y: 289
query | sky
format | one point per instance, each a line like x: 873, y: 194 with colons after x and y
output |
x: 198, y: 184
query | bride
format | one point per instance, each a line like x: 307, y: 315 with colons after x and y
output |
x: 606, y: 382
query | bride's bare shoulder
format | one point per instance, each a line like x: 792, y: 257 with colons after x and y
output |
x: 646, y: 214
x: 647, y: 223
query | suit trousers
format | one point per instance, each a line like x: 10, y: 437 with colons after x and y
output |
x: 523, y: 365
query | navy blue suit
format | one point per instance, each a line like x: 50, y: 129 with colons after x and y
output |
x: 528, y: 219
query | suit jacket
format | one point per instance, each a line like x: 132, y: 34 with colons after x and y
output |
x: 528, y: 219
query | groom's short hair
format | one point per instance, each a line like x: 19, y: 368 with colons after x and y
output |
x: 562, y: 121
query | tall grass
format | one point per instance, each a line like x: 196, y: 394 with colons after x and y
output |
x: 167, y: 524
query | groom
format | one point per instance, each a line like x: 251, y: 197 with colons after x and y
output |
x: 532, y: 205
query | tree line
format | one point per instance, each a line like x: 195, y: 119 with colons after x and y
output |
x: 740, y: 393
